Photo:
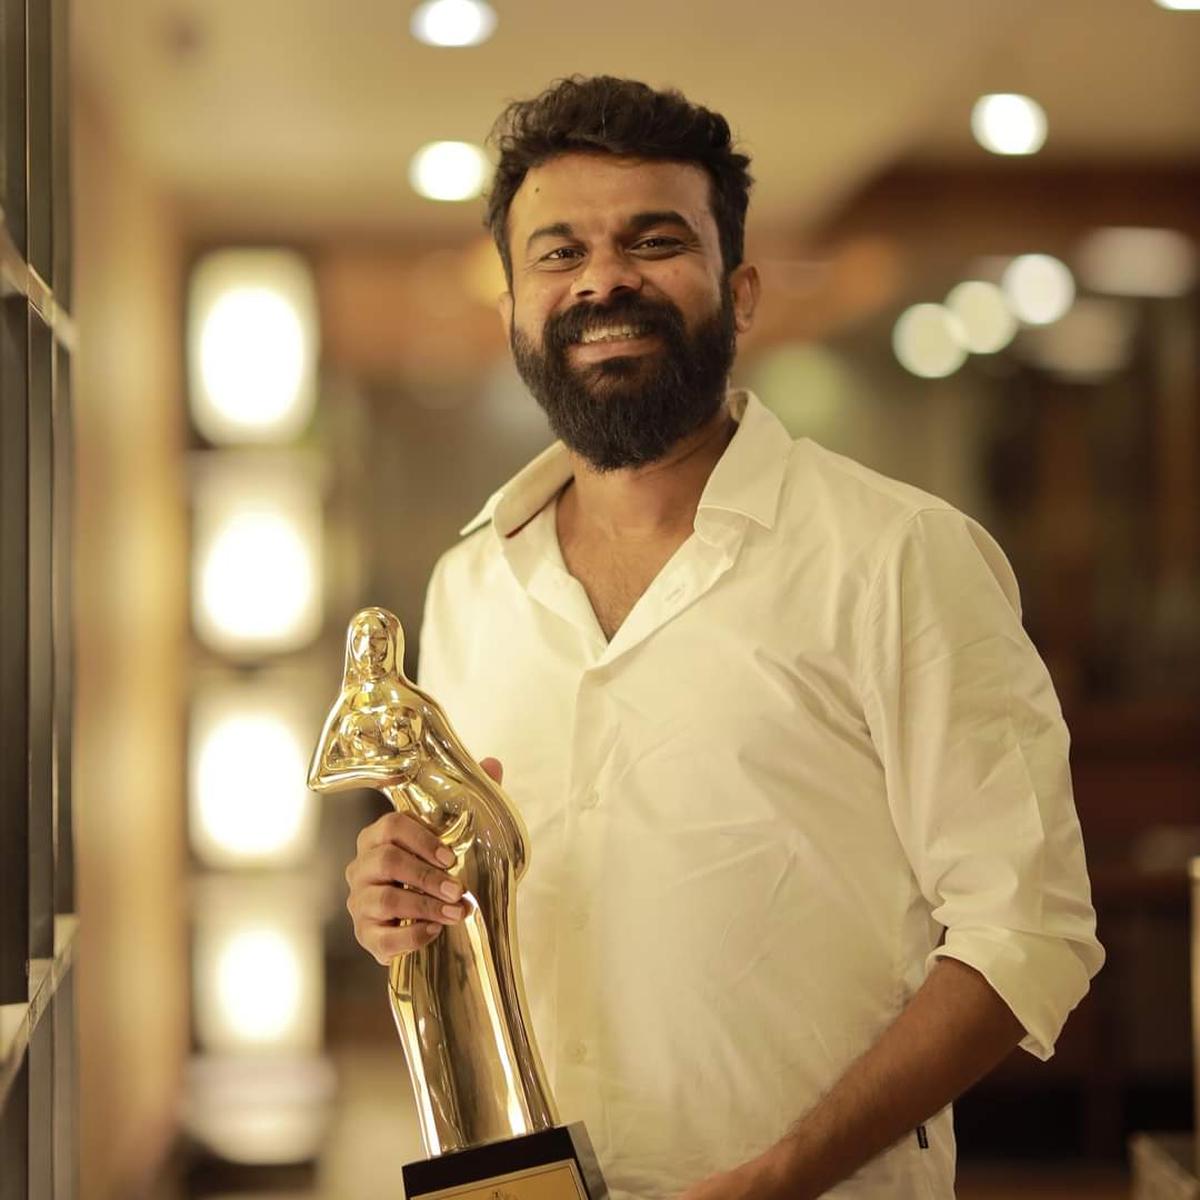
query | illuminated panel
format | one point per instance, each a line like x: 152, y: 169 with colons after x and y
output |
x: 256, y: 572
x: 252, y: 346
x: 247, y: 800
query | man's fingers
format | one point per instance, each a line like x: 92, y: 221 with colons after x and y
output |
x: 389, y: 865
x: 400, y: 896
x: 399, y: 829
x: 385, y: 943
x: 384, y: 904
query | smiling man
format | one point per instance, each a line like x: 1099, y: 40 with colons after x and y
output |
x: 806, y: 862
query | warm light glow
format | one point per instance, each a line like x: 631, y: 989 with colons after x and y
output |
x: 257, y: 963
x: 987, y: 323
x: 257, y: 582
x: 929, y: 341
x: 248, y: 799
x: 1179, y: 5
x: 448, y: 171
x: 1092, y: 342
x: 1006, y: 123
x: 808, y: 387
x: 257, y: 554
x: 1039, y: 289
x: 453, y: 22
x: 1138, y: 262
x: 259, y: 1109
x: 259, y: 984
x: 251, y: 346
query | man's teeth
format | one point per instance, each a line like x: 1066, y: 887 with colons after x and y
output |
x: 613, y: 333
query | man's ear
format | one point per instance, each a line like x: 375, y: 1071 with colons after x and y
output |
x: 504, y: 306
x: 745, y: 287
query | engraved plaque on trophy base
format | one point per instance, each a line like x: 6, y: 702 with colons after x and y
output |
x: 554, y: 1164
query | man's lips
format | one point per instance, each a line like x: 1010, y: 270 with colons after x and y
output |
x: 585, y: 352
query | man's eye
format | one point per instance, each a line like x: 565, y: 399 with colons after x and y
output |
x: 561, y: 254
x: 659, y: 243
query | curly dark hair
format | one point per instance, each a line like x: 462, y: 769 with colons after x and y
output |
x: 605, y: 115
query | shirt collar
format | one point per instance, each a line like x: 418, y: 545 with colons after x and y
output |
x: 746, y: 480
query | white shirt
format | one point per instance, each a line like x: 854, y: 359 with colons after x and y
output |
x: 820, y: 752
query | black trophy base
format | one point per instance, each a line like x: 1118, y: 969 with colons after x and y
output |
x: 555, y: 1164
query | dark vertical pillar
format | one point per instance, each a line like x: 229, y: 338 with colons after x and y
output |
x: 14, y: 660
x: 41, y: 663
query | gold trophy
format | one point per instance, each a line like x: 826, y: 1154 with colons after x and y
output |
x: 488, y: 1120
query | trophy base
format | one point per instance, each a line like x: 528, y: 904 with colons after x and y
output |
x: 554, y: 1164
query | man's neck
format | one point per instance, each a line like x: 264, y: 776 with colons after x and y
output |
x: 649, y: 502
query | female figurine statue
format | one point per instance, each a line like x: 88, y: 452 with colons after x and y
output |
x: 459, y: 1001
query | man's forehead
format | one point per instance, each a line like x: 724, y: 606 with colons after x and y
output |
x: 577, y: 187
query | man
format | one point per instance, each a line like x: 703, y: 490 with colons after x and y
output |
x: 806, y: 863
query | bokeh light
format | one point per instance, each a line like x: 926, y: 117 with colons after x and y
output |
x: 252, y: 346
x: 257, y: 583
x: 1123, y: 261
x: 257, y: 964
x: 929, y: 341
x: 248, y: 801
x: 1008, y: 123
x: 987, y: 323
x: 1089, y: 344
x: 448, y: 171
x: 453, y: 22
x: 1039, y: 289
x: 259, y: 984
x: 807, y: 386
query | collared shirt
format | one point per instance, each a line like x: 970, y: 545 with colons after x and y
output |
x: 819, y: 753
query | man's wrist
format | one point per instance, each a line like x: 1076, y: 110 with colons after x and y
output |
x: 784, y: 1172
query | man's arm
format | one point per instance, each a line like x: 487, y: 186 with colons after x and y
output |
x: 953, y: 1031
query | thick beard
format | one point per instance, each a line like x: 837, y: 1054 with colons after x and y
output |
x: 630, y: 410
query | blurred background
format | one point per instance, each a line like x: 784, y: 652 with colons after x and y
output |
x: 978, y: 229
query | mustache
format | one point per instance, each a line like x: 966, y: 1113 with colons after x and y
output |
x: 648, y: 316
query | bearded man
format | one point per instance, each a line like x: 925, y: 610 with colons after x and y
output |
x: 807, y: 862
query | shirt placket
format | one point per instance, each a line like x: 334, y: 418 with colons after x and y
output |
x: 579, y: 972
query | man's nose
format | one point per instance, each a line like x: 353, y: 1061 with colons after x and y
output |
x: 606, y: 273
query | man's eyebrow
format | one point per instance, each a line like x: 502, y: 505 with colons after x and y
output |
x: 558, y: 229
x: 642, y: 221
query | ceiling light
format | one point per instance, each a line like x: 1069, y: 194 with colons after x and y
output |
x: 1006, y: 123
x: 988, y: 324
x: 1159, y: 263
x: 453, y: 22
x: 928, y: 341
x: 448, y: 171
x: 1039, y: 289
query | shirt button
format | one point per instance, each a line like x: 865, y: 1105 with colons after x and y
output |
x: 577, y: 1052
x: 590, y: 800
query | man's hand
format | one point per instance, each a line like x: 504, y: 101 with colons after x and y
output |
x: 951, y: 1033
x: 751, y: 1181
x: 401, y: 896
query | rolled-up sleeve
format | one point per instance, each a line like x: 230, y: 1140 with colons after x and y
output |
x: 975, y: 753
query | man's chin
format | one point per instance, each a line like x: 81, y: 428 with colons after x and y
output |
x: 625, y: 369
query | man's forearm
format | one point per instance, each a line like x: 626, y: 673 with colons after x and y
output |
x: 951, y: 1033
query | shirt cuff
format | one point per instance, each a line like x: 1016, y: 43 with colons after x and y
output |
x: 1040, y: 977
